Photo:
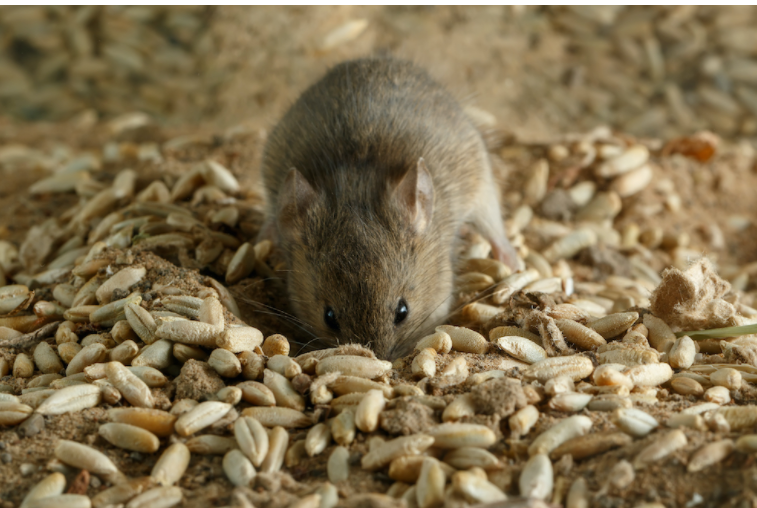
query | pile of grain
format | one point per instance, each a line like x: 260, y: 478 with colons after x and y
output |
x: 57, y: 61
x: 105, y: 315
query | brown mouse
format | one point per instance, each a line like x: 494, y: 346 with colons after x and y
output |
x: 369, y: 177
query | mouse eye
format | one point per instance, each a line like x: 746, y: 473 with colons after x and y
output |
x: 329, y: 317
x: 401, y: 313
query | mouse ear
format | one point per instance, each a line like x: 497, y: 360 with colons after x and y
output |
x: 415, y: 196
x: 296, y: 197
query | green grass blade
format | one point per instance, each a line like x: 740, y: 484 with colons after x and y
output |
x: 720, y: 333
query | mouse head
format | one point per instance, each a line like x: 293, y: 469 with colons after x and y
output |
x: 365, y: 269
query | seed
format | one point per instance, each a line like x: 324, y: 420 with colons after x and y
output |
x: 131, y: 387
x: 358, y: 366
x: 634, y: 422
x: 409, y: 445
x: 141, y: 322
x: 209, y: 444
x: 709, y: 455
x: 473, y: 282
x: 13, y: 413
x: 188, y: 306
x: 659, y: 332
x: 681, y: 355
x: 632, y: 158
x: 283, y: 391
x: 253, y: 365
x: 491, y: 267
x: 49, y: 486
x: 278, y: 441
x: 129, y: 437
x: 523, y: 420
x: 61, y: 501
x: 158, y: 355
x: 184, y: 353
x: 578, y: 495
x: 343, y: 385
x: 559, y: 433
x: 275, y: 345
x: 660, y: 448
x: 430, y: 486
x: 521, y: 348
x: 438, y: 341
x: 467, y: 457
x: 727, y: 377
x: 23, y: 367
x: 462, y: 406
x: 614, y: 324
x: 512, y: 284
x: 513, y: 331
x: 225, y: 363
x: 257, y: 394
x: 160, y: 497
x: 480, y: 313
x: 110, y: 313
x: 686, y: 386
x: 569, y: 245
x: 633, y: 182
x: 580, y: 335
x: 241, y: 265
x: 368, y: 411
x: 252, y: 439
x: 424, y: 363
x: 739, y: 417
x: 626, y: 354
x: 225, y: 297
x: 123, y: 280
x: 570, y: 402
x: 343, y: 428
x: 476, y: 489
x: 150, y: 376
x: 609, y: 375
x: 279, y: 416
x: 537, y: 479
x: 652, y: 374
x: 687, y: 420
x: 407, y: 468
x: 171, y: 465
x: 338, y: 466
x: 239, y: 470
x: 318, y: 438
x: 465, y: 340
x: 718, y: 395
x: 457, y: 435
x: 575, y: 367
x: 192, y: 333
x: 238, y: 339
x: 85, y: 457
x: 71, y: 399
x: 747, y: 443
x: 158, y: 422
x: 201, y: 416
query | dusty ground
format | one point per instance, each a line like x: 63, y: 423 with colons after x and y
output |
x: 470, y: 50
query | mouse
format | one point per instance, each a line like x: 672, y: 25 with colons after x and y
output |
x: 369, y: 177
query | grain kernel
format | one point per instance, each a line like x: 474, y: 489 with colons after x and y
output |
x: 465, y: 340
x: 129, y: 437
x: 171, y: 465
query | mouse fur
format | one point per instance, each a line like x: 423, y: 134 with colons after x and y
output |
x: 369, y: 177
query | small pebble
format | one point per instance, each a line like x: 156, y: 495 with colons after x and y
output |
x: 32, y: 425
x: 136, y: 456
x: 26, y: 469
x: 95, y: 482
x: 7, y: 458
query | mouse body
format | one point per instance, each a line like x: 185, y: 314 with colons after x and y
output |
x: 369, y: 177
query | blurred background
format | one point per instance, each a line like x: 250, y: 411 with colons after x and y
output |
x: 650, y: 71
